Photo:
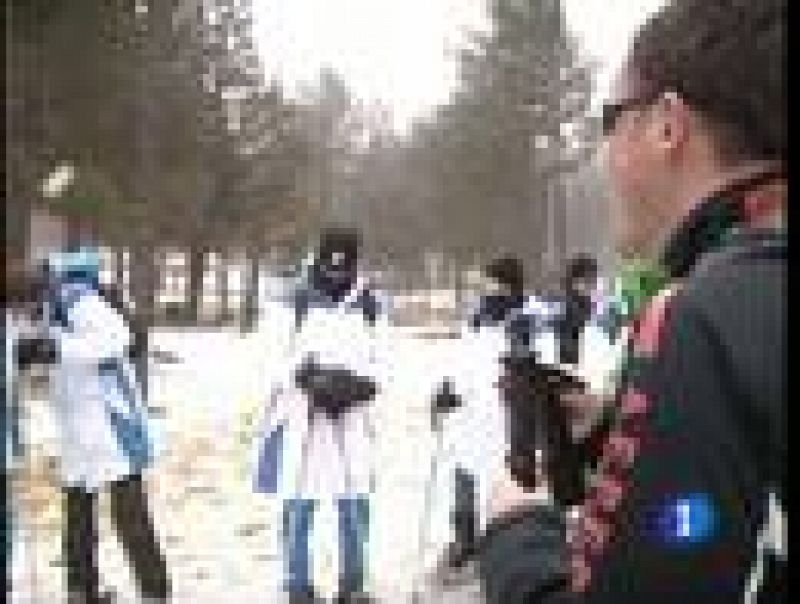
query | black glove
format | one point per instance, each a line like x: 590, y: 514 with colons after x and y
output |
x: 445, y: 400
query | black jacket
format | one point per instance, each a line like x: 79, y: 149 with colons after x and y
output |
x: 715, y: 435
x: 703, y: 399
x: 704, y: 402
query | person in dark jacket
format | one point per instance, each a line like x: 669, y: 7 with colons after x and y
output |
x: 687, y: 496
x: 507, y: 296
x: 687, y: 472
x: 580, y: 281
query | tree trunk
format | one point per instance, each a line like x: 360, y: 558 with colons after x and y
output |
x: 250, y: 300
x: 197, y: 260
x: 143, y: 273
x: 221, y: 282
x: 459, y: 285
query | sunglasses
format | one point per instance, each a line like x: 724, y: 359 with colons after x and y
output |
x: 612, y: 112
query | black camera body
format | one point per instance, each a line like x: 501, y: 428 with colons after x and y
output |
x: 538, y: 424
x: 333, y: 390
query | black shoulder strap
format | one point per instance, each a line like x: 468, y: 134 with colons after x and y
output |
x: 368, y: 304
x: 300, y: 303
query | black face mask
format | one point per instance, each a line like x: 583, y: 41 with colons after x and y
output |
x: 577, y: 309
x: 495, y: 307
x: 333, y: 281
x: 577, y: 312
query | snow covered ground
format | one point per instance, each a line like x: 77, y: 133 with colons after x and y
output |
x: 221, y: 540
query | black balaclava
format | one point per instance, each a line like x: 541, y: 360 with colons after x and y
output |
x: 578, y: 308
x: 508, y: 273
x: 335, y: 267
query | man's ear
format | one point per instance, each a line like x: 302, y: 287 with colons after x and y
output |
x: 672, y: 125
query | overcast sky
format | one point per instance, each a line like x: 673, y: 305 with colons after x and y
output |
x: 398, y: 52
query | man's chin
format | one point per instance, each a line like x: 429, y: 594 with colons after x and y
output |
x: 635, y: 242
x: 626, y: 245
x: 624, y: 252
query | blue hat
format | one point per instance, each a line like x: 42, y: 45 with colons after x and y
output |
x: 78, y: 262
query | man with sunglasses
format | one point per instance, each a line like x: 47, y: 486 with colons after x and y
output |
x: 690, y: 476
x: 686, y: 499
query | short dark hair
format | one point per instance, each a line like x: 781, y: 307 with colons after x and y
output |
x: 508, y: 271
x: 727, y: 60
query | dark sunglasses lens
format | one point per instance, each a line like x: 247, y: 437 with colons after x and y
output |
x: 611, y: 113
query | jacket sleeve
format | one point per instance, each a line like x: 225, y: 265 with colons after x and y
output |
x: 280, y: 361
x: 694, y: 504
x: 275, y: 411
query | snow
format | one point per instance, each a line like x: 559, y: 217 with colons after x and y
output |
x: 223, y: 539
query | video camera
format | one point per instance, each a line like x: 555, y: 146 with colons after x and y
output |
x: 333, y: 390
x: 538, y: 424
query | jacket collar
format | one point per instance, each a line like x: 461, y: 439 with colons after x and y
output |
x: 711, y: 224
x: 356, y: 289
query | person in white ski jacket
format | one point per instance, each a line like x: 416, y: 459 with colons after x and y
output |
x: 317, y: 450
x: 105, y: 444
